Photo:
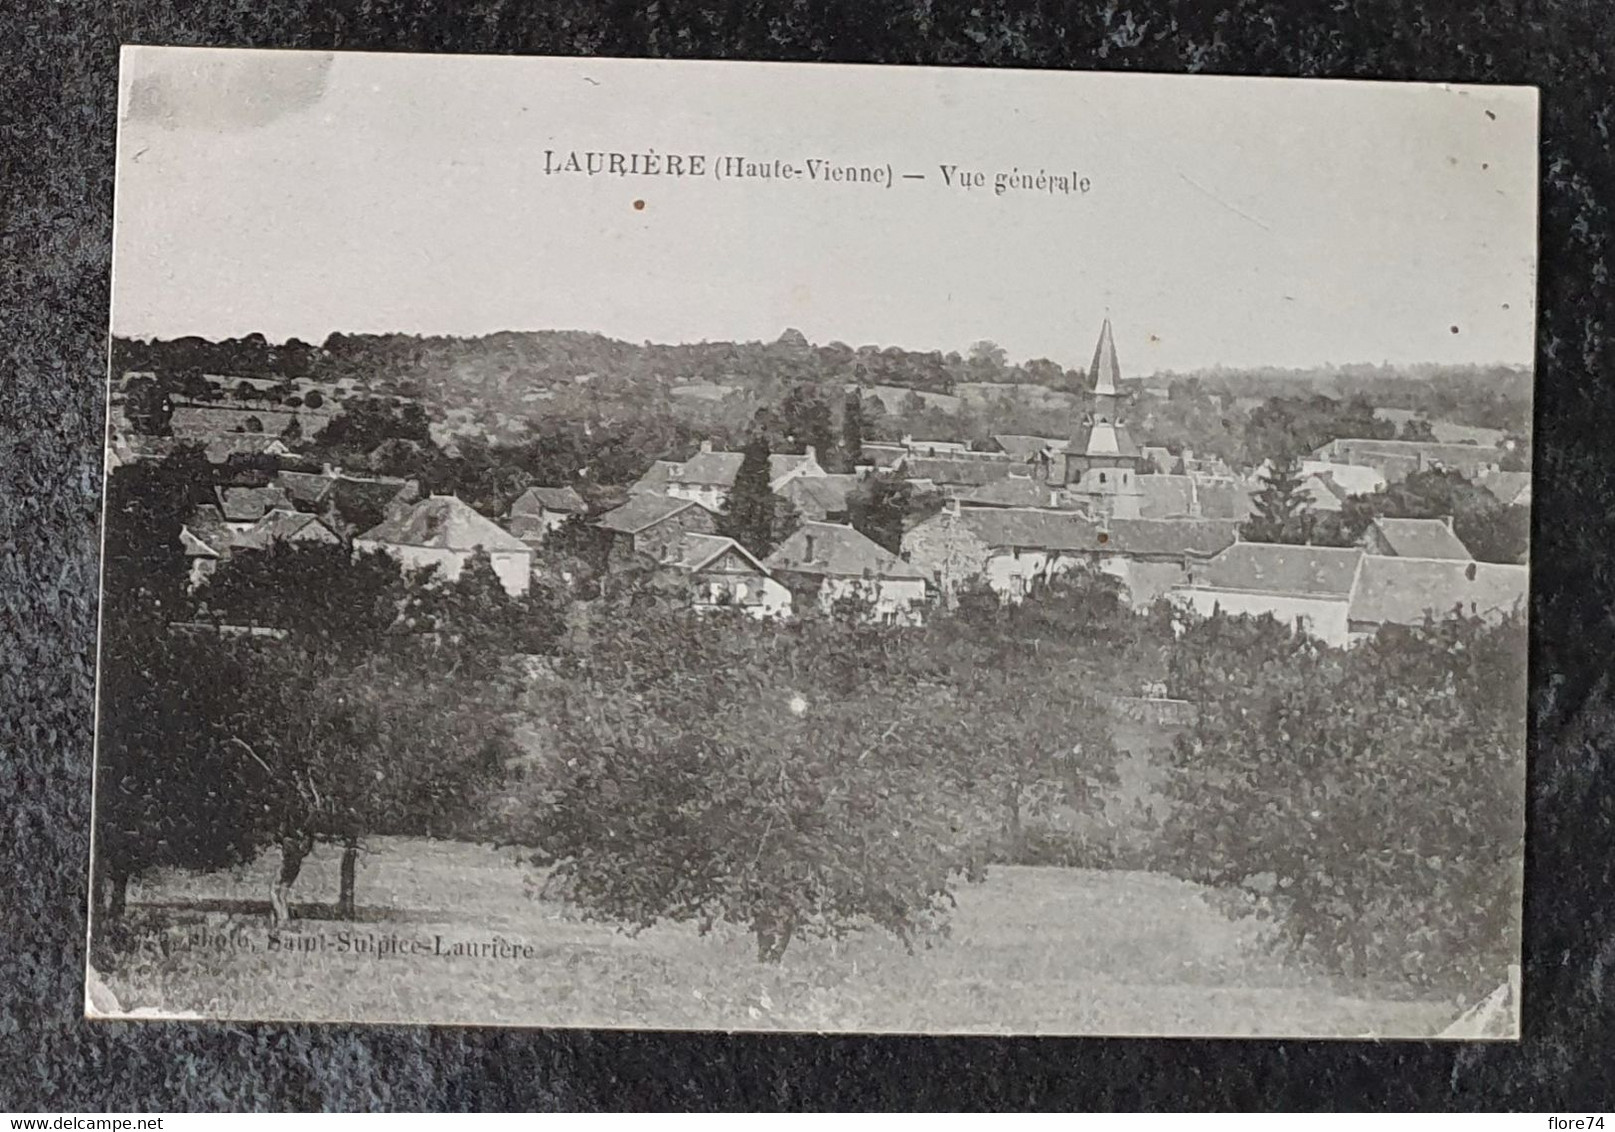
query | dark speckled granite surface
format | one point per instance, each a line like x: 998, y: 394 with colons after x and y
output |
x: 56, y: 138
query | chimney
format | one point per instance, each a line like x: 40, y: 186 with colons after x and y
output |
x: 811, y: 453
x: 809, y: 541
x: 953, y: 506
x: 907, y: 440
x: 706, y: 446
x: 1447, y: 519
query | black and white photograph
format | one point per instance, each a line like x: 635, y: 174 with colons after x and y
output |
x: 683, y: 545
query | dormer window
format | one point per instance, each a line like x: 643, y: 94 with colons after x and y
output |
x: 1101, y: 477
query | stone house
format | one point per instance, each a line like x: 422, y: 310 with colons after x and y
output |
x: 540, y: 510
x: 1010, y: 549
x: 645, y: 530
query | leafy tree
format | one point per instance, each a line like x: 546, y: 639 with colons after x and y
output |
x: 149, y: 406
x: 172, y: 787
x: 805, y: 416
x: 313, y: 399
x: 1492, y: 530
x: 1279, y: 504
x: 252, y: 424
x: 722, y: 770
x: 368, y: 421
x: 852, y: 429
x: 747, y: 515
x: 885, y: 505
x: 143, y: 568
x: 1369, y: 799
x: 333, y: 600
x: 1417, y: 428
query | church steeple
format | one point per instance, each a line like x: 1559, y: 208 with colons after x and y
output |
x: 1104, y: 373
x: 1102, y: 460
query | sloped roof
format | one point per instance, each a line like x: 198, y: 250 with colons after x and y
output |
x: 443, y: 522
x: 718, y: 469
x: 1403, y: 590
x: 1014, y: 491
x: 960, y: 473
x: 1029, y: 528
x: 838, y: 552
x: 1175, y: 537
x: 249, y: 504
x: 306, y: 489
x: 1102, y: 438
x: 1166, y: 496
x: 1028, y: 446
x: 280, y: 525
x: 1466, y: 458
x: 1422, y: 538
x: 1224, y: 499
x: 883, y: 455
x: 825, y: 495
x: 695, y: 551
x: 536, y: 498
x: 194, y: 546
x: 1263, y: 567
x: 1354, y: 479
x: 654, y: 481
x: 1105, y: 371
x: 1506, y: 486
x: 642, y: 511
x: 206, y: 523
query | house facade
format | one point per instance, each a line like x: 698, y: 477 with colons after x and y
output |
x: 707, y: 477
x: 723, y: 575
x: 830, y: 563
x: 1012, y: 549
x: 445, y: 532
x: 1307, y: 586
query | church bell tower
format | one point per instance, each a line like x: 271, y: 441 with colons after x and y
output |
x: 1101, y: 462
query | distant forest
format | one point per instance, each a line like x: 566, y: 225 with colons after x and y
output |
x: 494, y: 387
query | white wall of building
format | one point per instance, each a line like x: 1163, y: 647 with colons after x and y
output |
x: 899, y: 600
x: 1322, y: 617
x: 515, y: 569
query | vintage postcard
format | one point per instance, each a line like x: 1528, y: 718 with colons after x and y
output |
x: 731, y: 546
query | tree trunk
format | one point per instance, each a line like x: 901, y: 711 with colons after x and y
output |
x: 350, y: 865
x: 293, y: 849
x: 773, y: 931
x: 1013, y: 829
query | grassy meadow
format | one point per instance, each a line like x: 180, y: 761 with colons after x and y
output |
x: 1030, y: 950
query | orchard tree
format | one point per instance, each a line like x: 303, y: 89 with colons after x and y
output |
x: 1372, y: 798
x: 721, y: 770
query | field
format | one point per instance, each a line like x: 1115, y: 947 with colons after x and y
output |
x: 1031, y: 950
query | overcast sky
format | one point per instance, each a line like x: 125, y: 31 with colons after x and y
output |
x: 1230, y: 221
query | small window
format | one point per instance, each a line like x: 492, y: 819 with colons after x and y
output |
x: 1101, y: 477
